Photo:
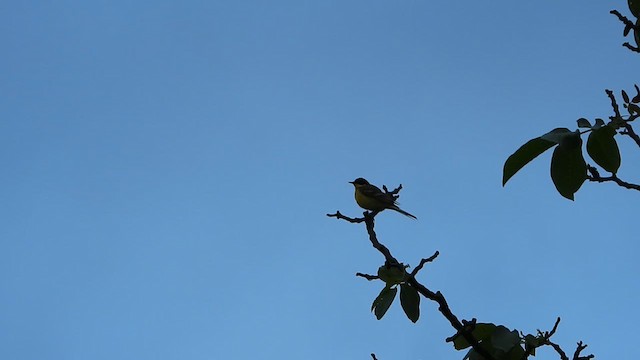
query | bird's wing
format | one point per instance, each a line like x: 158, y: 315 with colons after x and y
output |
x: 374, y: 192
x: 370, y: 190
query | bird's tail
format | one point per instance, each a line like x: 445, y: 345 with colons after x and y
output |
x: 396, y: 208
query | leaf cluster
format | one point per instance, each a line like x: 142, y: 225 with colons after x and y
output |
x: 394, y: 276
x: 498, y: 341
x: 569, y: 169
x: 631, y: 25
x: 486, y: 341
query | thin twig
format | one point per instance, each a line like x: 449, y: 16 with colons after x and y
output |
x: 544, y: 338
x: 549, y: 334
x: 631, y: 47
x: 576, y: 355
x: 621, y: 17
x: 620, y: 121
x: 394, y: 192
x: 338, y: 215
x: 368, y: 277
x: 628, y: 130
x: 424, y: 261
x: 595, y: 176
x: 559, y: 350
x: 614, y: 103
x: 628, y: 26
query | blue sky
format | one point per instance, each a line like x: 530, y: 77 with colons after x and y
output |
x: 168, y: 167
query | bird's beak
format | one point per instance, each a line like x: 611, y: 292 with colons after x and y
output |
x: 351, y: 182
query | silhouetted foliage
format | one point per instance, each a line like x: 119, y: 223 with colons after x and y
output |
x: 569, y: 170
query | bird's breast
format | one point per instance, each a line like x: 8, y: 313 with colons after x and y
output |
x: 368, y: 202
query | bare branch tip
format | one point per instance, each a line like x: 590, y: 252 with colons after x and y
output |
x: 367, y: 276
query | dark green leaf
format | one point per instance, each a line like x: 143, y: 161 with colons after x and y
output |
x: 523, y: 156
x: 459, y: 342
x: 568, y: 168
x: 625, y: 97
x: 410, y: 301
x: 636, y: 99
x: 584, y: 123
x: 483, y: 331
x: 557, y: 135
x: 384, y: 300
x: 505, y: 339
x: 515, y: 353
x: 634, y: 109
x: 473, y: 355
x: 392, y: 274
x: 531, y: 343
x: 634, y: 6
x: 603, y: 148
x: 531, y: 150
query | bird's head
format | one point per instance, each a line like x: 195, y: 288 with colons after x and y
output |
x: 359, y: 182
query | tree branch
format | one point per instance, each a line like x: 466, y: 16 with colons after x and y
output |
x: 628, y: 26
x: 594, y: 175
x: 558, y: 349
x: 631, y: 47
x: 614, y: 104
x: 424, y: 261
x: 549, y: 334
x: 576, y: 355
x: 628, y: 130
x: 368, y: 277
x: 338, y: 215
x: 545, y: 339
x: 616, y: 110
x: 464, y: 328
x: 618, y: 119
x: 622, y: 18
x: 433, y: 296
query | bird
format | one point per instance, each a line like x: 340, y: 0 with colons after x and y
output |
x: 370, y: 197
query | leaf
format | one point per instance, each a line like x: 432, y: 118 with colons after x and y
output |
x: 384, y: 300
x: 633, y: 108
x: 515, y: 353
x: 523, y: 156
x: 460, y: 342
x: 636, y: 99
x: 584, y: 123
x: 473, y: 355
x: 625, y: 97
x: 634, y: 6
x: 531, y: 343
x: 557, y: 135
x: 391, y: 274
x: 481, y: 332
x: 505, y: 339
x: 410, y: 301
x: 603, y: 148
x: 568, y: 168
